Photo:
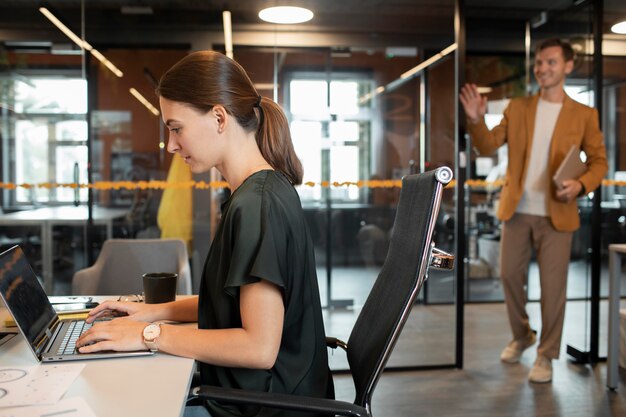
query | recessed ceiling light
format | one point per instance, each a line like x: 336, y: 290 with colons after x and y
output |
x: 286, y: 14
x: 619, y: 28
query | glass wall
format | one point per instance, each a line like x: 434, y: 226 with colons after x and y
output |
x: 356, y: 141
x: 78, y: 131
x: 502, y: 75
x: 576, y: 25
x: 83, y: 131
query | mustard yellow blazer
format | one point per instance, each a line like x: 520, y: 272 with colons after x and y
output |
x: 577, y: 124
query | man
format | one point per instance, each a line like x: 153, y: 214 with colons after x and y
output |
x: 536, y: 214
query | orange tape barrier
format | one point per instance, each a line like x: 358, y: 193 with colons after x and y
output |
x: 202, y: 185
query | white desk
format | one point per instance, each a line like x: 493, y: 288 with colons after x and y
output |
x: 48, y: 217
x: 154, y: 386
x: 616, y: 253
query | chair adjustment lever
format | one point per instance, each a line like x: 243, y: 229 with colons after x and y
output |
x: 440, y: 259
x: 334, y: 343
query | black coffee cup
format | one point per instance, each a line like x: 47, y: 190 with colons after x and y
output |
x: 159, y: 287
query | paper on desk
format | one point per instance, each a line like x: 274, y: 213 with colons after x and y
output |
x: 69, y: 407
x: 36, y: 385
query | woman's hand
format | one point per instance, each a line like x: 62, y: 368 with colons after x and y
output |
x: 134, y: 311
x: 474, y: 104
x: 121, y: 334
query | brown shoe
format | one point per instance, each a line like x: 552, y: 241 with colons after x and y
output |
x: 514, y: 349
x: 542, y: 370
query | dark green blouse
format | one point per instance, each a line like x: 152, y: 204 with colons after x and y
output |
x: 263, y: 235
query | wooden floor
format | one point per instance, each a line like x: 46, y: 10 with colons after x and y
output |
x: 485, y: 386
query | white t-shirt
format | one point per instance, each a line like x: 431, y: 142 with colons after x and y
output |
x: 537, y: 182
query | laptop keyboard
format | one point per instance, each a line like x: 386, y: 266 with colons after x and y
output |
x: 68, y: 344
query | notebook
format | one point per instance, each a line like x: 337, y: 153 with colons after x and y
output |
x: 45, y: 333
x: 571, y: 168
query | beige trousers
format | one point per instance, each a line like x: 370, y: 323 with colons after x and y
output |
x: 520, y: 235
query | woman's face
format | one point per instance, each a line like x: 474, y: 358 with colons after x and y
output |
x: 193, y: 135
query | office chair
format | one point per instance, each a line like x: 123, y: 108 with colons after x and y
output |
x: 385, y: 311
x: 122, y: 262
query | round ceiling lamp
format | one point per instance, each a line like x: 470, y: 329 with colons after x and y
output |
x: 286, y: 15
x: 619, y: 28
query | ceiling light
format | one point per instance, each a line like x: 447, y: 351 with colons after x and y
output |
x: 418, y: 68
x: 144, y: 101
x: 115, y: 70
x: 286, y: 14
x: 228, y: 34
x: 619, y: 28
x: 78, y: 41
x: 81, y: 42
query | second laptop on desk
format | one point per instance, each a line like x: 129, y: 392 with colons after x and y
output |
x: 35, y: 316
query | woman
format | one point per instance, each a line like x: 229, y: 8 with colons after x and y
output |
x: 259, y: 315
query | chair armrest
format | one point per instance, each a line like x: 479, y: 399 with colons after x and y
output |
x: 334, y: 343
x: 279, y: 401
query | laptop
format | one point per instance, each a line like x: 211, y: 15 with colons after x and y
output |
x: 49, y: 338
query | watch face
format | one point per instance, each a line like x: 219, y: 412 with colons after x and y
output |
x: 151, y: 332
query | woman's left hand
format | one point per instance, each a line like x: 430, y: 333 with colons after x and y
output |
x: 119, y: 334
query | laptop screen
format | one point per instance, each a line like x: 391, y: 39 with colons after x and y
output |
x: 24, y: 295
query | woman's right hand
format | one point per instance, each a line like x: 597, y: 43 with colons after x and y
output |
x: 474, y: 104
x: 131, y: 310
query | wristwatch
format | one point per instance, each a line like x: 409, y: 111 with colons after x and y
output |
x: 151, y: 334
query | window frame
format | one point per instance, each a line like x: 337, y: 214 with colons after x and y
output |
x: 365, y: 119
x: 8, y: 122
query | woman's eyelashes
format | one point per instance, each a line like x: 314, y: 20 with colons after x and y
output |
x: 175, y: 130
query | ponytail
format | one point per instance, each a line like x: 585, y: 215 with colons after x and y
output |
x: 274, y: 141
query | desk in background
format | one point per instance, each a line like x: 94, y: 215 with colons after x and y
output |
x: 48, y: 217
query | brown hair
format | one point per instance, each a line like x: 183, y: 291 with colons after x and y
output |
x: 206, y: 78
x: 566, y: 47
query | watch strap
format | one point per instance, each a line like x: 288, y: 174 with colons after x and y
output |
x: 152, y: 343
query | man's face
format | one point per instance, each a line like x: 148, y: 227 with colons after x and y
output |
x: 551, y: 68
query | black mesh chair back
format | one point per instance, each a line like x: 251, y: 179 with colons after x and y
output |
x: 404, y: 271
x: 386, y: 309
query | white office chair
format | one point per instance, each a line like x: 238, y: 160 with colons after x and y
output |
x: 122, y: 262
